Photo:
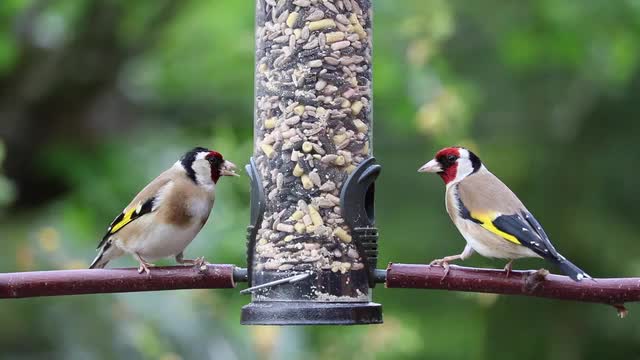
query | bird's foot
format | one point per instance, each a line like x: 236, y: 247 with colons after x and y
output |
x: 199, y: 263
x: 534, y: 279
x: 444, y: 262
x: 144, y: 267
x: 508, y: 267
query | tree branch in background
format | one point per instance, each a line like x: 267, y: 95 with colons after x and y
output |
x: 613, y: 292
x: 96, y: 281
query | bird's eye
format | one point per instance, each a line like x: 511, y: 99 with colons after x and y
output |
x: 452, y: 158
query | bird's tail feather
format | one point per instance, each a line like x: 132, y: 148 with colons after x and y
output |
x: 99, y: 262
x: 106, y: 253
x: 572, y: 270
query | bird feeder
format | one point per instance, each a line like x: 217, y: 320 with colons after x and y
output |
x: 312, y: 241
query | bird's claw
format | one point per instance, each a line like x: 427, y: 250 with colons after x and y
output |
x: 508, y: 268
x: 200, y: 263
x: 444, y: 264
x: 144, y: 267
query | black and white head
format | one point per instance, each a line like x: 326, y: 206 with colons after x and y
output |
x: 205, y: 167
x: 453, y: 164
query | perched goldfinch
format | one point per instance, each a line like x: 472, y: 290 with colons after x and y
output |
x: 168, y: 213
x: 490, y: 217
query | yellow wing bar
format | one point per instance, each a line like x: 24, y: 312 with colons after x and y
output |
x: 127, y: 217
x: 486, y: 220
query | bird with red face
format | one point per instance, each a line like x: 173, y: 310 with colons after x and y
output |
x: 490, y: 217
x: 168, y: 213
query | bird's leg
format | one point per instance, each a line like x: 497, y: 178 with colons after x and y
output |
x: 508, y: 267
x: 444, y: 262
x: 197, y: 262
x: 144, y: 264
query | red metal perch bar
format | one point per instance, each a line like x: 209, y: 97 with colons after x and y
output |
x: 529, y: 283
x: 95, y: 281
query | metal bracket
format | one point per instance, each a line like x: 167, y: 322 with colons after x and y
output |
x: 357, y: 202
x: 257, y: 214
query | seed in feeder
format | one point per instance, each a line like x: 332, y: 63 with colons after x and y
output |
x: 337, y: 139
x: 332, y: 61
x: 317, y: 14
x: 357, y: 27
x: 292, y: 18
x: 340, y: 45
x: 272, y: 265
x: 352, y: 253
x: 300, y: 228
x: 292, y: 121
x: 334, y: 37
x: 349, y: 93
x: 285, y: 228
x: 307, y: 220
x: 345, y: 104
x: 315, y: 63
x: 288, y: 238
x: 303, y: 206
x: 306, y: 182
x: 349, y: 169
x: 315, y: 216
x: 267, y: 149
x: 320, y: 84
x: 311, y: 229
x: 345, y: 267
x: 285, y: 267
x: 356, y: 107
x: 322, y: 24
x: 315, y: 178
x: 334, y: 199
x: 328, y: 159
x: 360, y: 125
x: 307, y: 147
x: 302, y: 3
x: 339, y: 161
x: 299, y: 110
x: 324, y: 203
x: 342, y: 19
x: 365, y: 149
x: 288, y: 134
x: 298, y: 171
x: 328, y: 186
x: 297, y: 215
x: 342, y: 235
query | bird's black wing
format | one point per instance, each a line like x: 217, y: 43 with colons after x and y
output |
x: 529, y: 233
x: 127, y: 216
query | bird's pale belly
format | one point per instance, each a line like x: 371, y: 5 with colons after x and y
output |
x: 490, y: 245
x: 163, y: 240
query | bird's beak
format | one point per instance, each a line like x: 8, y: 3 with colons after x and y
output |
x: 228, y: 169
x: 431, y: 167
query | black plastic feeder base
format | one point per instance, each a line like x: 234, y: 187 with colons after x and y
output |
x: 310, y: 313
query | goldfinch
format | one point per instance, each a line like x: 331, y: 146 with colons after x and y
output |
x: 490, y: 217
x: 168, y: 213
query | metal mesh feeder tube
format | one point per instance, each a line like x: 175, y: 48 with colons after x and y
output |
x: 312, y: 242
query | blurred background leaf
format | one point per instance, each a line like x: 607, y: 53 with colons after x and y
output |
x: 97, y: 97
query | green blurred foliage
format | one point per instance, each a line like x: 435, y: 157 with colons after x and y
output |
x: 545, y: 92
